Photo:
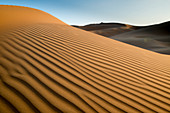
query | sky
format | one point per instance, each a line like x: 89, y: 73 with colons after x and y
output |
x: 82, y: 12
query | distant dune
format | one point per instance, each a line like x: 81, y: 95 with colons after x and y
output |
x: 47, y: 66
x: 108, y: 29
x: 155, y: 37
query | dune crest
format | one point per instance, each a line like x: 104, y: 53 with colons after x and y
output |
x: 49, y: 67
x: 18, y: 15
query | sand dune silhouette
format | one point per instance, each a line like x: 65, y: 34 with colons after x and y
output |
x: 47, y: 66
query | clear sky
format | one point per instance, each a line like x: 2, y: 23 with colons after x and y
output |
x: 81, y: 12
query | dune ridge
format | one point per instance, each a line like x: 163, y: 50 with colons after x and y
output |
x: 14, y: 16
x: 153, y: 37
x: 52, y: 67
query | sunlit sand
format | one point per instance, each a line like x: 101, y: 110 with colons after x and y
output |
x: 48, y: 66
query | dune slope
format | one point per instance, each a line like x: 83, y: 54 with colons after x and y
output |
x: 108, y: 29
x: 155, y: 38
x: 48, y: 67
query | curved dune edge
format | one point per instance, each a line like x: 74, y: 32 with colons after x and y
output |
x: 12, y: 16
x: 49, y: 67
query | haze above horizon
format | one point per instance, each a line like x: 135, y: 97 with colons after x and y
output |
x: 81, y: 12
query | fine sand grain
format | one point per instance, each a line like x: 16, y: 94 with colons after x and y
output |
x: 49, y: 67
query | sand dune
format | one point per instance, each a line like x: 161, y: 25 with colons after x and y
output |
x: 108, y: 29
x: 48, y: 67
x: 155, y: 38
x: 13, y: 16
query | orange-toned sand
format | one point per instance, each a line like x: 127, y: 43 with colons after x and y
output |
x: 48, y: 66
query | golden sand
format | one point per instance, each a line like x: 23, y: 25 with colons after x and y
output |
x: 47, y: 66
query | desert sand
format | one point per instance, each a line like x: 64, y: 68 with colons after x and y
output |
x: 47, y: 66
x: 108, y: 29
x: 152, y: 37
x: 155, y: 38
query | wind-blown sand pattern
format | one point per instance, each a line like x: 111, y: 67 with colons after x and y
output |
x: 50, y: 67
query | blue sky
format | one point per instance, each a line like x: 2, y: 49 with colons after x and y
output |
x: 81, y: 12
